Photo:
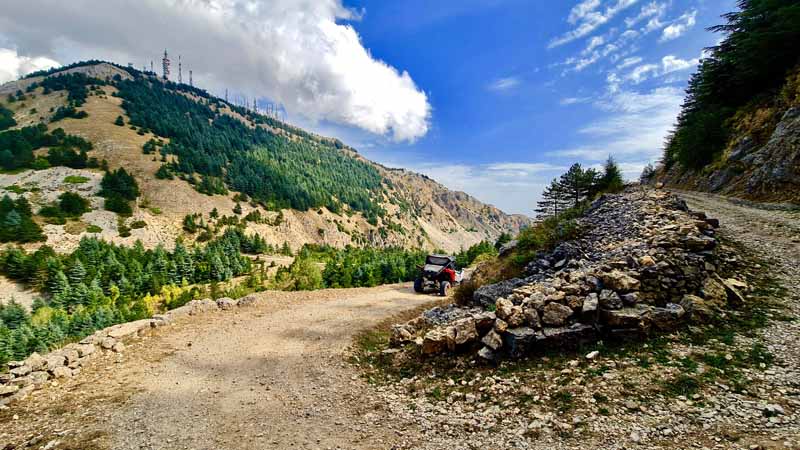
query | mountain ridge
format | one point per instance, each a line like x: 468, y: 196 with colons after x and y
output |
x: 417, y: 211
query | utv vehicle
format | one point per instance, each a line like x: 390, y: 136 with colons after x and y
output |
x: 439, y: 273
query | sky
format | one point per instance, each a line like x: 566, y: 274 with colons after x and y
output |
x: 491, y: 97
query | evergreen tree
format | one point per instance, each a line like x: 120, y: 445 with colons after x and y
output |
x: 76, y: 272
x: 553, y: 200
x: 611, y: 180
x: 576, y: 184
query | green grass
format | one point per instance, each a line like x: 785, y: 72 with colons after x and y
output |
x: 93, y: 229
x: 75, y: 179
x: 15, y: 189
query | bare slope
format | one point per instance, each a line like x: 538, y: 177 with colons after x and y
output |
x: 431, y: 215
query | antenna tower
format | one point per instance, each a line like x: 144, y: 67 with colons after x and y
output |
x: 190, y: 79
x: 180, y: 72
x: 226, y: 95
x: 152, y: 70
x: 165, y: 64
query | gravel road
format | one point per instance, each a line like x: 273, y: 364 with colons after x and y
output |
x: 273, y: 376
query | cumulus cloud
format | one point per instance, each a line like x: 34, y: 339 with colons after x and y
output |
x: 503, y: 84
x: 587, y: 16
x: 683, y: 24
x: 302, y: 53
x: 13, y: 65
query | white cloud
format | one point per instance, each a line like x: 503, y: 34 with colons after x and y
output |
x: 679, y: 27
x: 587, y: 16
x: 669, y: 64
x: 503, y: 84
x: 13, y: 66
x: 627, y: 62
x: 643, y: 72
x: 574, y: 100
x: 651, y: 9
x: 302, y: 53
x: 632, y: 128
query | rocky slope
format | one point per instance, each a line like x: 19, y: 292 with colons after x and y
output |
x: 762, y: 159
x: 420, y: 212
x: 644, y: 263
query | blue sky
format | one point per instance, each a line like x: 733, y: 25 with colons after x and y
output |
x: 521, y: 89
x: 492, y: 97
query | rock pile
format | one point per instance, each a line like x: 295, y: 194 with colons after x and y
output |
x: 36, y: 370
x: 644, y: 263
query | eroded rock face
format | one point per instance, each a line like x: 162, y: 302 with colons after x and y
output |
x: 556, y: 314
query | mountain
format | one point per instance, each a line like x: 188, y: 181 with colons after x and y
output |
x: 739, y: 129
x: 196, y: 159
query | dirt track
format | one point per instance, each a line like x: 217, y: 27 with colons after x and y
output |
x: 272, y: 376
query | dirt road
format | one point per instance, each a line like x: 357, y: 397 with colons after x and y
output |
x: 272, y: 376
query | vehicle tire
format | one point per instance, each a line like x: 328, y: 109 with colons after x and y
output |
x: 418, y: 287
x: 444, y: 288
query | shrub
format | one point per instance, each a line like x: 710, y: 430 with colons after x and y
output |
x: 116, y: 203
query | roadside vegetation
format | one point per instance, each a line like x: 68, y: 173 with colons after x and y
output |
x: 741, y: 76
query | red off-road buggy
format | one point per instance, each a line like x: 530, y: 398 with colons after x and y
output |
x: 439, y: 273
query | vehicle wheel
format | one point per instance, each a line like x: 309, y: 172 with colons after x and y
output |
x: 444, y: 288
x: 418, y: 288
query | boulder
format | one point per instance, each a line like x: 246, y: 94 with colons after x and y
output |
x: 486, y: 295
x: 503, y: 308
x: 519, y: 341
x: 734, y: 297
x: 569, y: 337
x: 484, y: 320
x: 435, y: 340
x: 201, y: 306
x: 697, y: 309
x: 247, y: 300
x: 401, y: 334
x: 517, y: 317
x: 532, y: 318
x: 636, y: 317
x: 85, y: 350
x: 609, y: 299
x: 667, y: 318
x: 20, y: 371
x: 36, y: 362
x: 38, y: 378
x: 125, y: 330
x: 590, y: 310
x: 55, y: 360
x: 8, y: 389
x: 464, y: 332
x: 500, y: 325
x: 226, y: 303
x: 62, y: 372
x: 619, y: 281
x: 492, y: 340
x: 119, y: 347
x: 556, y: 314
x: 70, y: 353
x: 698, y: 243
x: 108, y: 343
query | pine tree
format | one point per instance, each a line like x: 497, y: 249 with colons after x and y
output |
x: 576, y: 184
x: 76, y: 273
x: 58, y: 283
x: 611, y: 180
x: 553, y: 201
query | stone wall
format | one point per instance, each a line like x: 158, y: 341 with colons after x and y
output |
x: 643, y: 264
x: 37, y: 370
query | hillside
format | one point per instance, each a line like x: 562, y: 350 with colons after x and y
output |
x: 293, y: 187
x: 739, y: 130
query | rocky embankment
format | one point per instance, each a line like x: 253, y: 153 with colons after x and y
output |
x: 37, y: 370
x: 645, y: 263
